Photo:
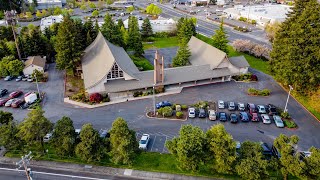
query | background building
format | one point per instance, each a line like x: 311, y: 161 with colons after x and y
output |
x: 45, y: 4
x: 158, y: 25
x: 48, y: 21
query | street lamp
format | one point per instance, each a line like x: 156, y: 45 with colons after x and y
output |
x: 154, y: 101
x: 285, y: 108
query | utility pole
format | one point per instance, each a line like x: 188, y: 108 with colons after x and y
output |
x: 11, y: 20
x: 37, y: 85
x: 154, y: 102
x: 24, y: 162
x: 248, y: 14
x: 285, y: 108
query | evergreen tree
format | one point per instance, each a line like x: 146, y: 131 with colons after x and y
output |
x: 90, y: 148
x: 295, y: 57
x: 111, y: 31
x: 90, y: 31
x: 120, y: 23
x: 186, y: 28
x: 182, y: 56
x: 67, y: 45
x: 146, y: 29
x: 220, y: 39
x: 134, y: 37
x: 123, y: 142
x: 64, y: 137
x: 8, y: 137
x: 188, y: 147
x: 33, y: 42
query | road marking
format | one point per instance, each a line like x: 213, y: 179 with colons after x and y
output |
x: 54, y: 174
x: 155, y: 137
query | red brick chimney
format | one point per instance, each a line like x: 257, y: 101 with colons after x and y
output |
x: 158, y: 69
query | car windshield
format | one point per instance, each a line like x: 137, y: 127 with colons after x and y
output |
x: 262, y: 108
x: 143, y: 141
x: 191, y: 112
x: 273, y: 110
x: 233, y: 116
x: 241, y: 105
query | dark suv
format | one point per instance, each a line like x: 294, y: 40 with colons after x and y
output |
x: 272, y: 110
x: 3, y: 92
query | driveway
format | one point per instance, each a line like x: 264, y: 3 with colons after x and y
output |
x: 160, y: 130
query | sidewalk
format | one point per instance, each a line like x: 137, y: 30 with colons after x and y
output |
x: 101, y: 170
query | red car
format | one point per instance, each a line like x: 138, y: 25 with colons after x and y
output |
x: 17, y: 103
x: 15, y: 94
x: 3, y: 101
x: 251, y: 108
x: 255, y: 117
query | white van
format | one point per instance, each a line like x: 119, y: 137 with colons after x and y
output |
x: 31, y: 98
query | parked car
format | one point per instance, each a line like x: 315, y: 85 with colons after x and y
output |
x: 241, y: 107
x: 304, y: 154
x: 30, y: 79
x: 17, y: 103
x: 15, y: 94
x: 47, y: 137
x: 266, y: 151
x: 3, y: 92
x: 231, y: 106
x: 9, y: 102
x: 275, y: 152
x: 27, y: 94
x: 202, y: 113
x: 233, y: 118
x: 163, y: 104
x: 265, y: 119
x: 244, y: 116
x: 3, y: 101
x: 104, y: 133
x: 25, y: 78
x: 272, y: 110
x: 192, y: 112
x: 278, y: 121
x: 8, y: 78
x: 19, y: 78
x: 25, y: 106
x: 255, y: 117
x: 212, y: 115
x: 143, y: 143
x: 77, y: 131
x: 261, y: 109
x: 31, y: 98
x: 251, y: 108
x: 223, y: 116
x: 220, y: 104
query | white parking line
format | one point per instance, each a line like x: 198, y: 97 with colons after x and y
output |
x: 155, y: 137
x: 164, y: 146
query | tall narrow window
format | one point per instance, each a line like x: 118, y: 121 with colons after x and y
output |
x: 115, y: 72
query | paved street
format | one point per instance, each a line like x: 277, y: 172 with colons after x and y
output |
x: 134, y: 112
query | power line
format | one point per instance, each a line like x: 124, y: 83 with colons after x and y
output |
x: 24, y: 162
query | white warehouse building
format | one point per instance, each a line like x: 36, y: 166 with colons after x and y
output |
x: 45, y: 4
x: 158, y: 25
x: 263, y: 14
x: 48, y: 21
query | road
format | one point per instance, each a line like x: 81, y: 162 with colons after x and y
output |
x: 207, y: 27
x: 8, y: 172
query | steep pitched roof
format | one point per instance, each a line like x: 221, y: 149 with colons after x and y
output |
x: 35, y: 60
x: 239, y: 61
x: 203, y: 53
x: 99, y: 58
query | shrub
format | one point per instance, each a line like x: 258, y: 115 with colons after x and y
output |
x: 264, y: 92
x: 254, y: 77
x: 105, y: 98
x: 184, y: 107
x: 289, y: 124
x: 201, y: 104
x: 285, y: 115
x: 96, y: 98
x: 161, y: 35
x: 252, y: 91
x: 243, y: 19
x: 137, y: 93
x: 179, y: 114
x: 81, y: 96
x: 253, y: 21
x: 247, y: 46
x: 159, y: 90
x: 165, y: 111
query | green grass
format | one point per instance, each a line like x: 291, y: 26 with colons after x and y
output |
x: 162, y: 43
x: 254, y: 62
x: 142, y: 63
x: 304, y: 100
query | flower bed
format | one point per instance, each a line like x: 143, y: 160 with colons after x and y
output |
x: 246, y: 77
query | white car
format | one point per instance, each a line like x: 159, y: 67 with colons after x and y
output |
x: 8, y: 103
x: 192, y: 112
x: 265, y: 119
x: 221, y: 104
x: 261, y: 109
x: 212, y: 115
x: 241, y: 107
x: 143, y: 143
x: 47, y: 137
x: 278, y: 121
x: 77, y: 131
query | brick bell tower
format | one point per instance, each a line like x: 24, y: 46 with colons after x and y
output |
x: 158, y: 69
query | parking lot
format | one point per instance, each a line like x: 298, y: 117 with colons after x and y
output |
x: 156, y: 143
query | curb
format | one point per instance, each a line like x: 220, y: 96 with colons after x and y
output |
x: 166, y: 118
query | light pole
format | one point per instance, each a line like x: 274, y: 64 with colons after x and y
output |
x: 154, y: 101
x: 24, y: 162
x: 37, y: 85
x: 285, y: 108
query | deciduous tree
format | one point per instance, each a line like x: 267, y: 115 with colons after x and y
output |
x: 5, y: 117
x: 123, y: 142
x: 63, y: 138
x: 153, y: 9
x: 220, y: 39
x: 222, y: 149
x: 15, y: 67
x: 188, y: 147
x: 8, y: 137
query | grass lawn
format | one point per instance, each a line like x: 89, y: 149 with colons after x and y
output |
x: 304, y: 100
x: 161, y: 43
x: 142, y: 63
x: 254, y: 62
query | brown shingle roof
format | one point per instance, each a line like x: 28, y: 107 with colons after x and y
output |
x: 35, y: 60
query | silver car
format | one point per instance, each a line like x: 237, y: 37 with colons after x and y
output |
x: 221, y: 104
x: 261, y: 109
x: 278, y: 121
x: 212, y: 115
x: 265, y: 119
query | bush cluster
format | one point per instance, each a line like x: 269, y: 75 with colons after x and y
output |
x: 184, y: 107
x: 289, y: 123
x: 257, y: 92
x: 165, y: 111
x: 246, y: 77
x: 81, y: 96
x: 257, y: 50
x: 201, y: 104
x: 96, y: 98
x: 179, y: 114
x: 285, y: 115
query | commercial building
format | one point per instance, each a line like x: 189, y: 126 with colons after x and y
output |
x: 45, y: 4
x: 262, y: 14
x: 158, y: 25
x: 48, y: 21
x: 107, y: 68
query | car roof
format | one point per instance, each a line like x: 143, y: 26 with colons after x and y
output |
x: 144, y: 137
x: 220, y: 101
x: 265, y: 115
x: 231, y: 102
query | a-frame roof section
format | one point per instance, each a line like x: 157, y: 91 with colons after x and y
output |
x: 99, y: 58
x: 204, y: 54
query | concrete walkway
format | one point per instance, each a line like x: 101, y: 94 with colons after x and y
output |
x: 100, y: 170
